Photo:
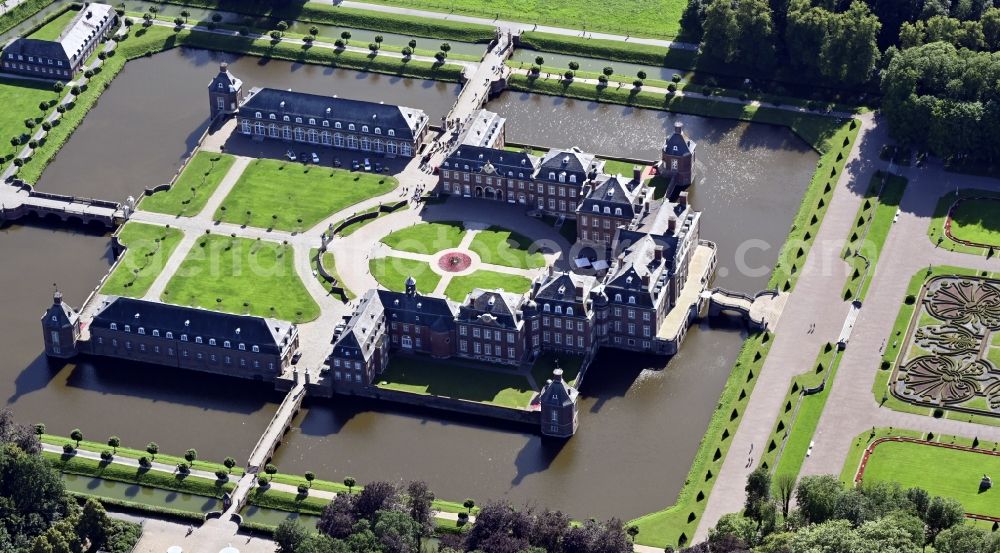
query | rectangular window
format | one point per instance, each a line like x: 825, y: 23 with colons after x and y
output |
x: 477, y: 347
x: 463, y: 330
x: 511, y: 352
x: 475, y: 331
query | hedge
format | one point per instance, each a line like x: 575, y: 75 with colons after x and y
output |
x: 141, y: 508
x: 132, y: 475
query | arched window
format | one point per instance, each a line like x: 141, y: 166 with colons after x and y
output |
x: 618, y: 211
x: 336, y: 124
x: 378, y: 145
x: 392, y: 132
x: 257, y: 115
x: 256, y: 349
x: 631, y: 299
x: 142, y: 330
x: 364, y: 128
x: 286, y: 132
x: 618, y: 297
x: 391, y: 147
x: 546, y: 308
x: 272, y: 130
x: 378, y: 130
x: 258, y: 128
x: 197, y: 339
x: 312, y: 121
x: 338, y: 140
x: 243, y: 347
x: 313, y: 137
x: 324, y: 137
x: 365, y: 144
x: 572, y: 178
x: 350, y: 126
x: 156, y: 333
x: 352, y: 142
x: 272, y: 117
x: 569, y: 311
x: 245, y: 126
x: 298, y: 119
x: 219, y: 85
x: 299, y: 135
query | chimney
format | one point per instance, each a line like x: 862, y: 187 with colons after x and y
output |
x: 658, y: 253
x: 557, y: 375
x: 579, y: 291
x: 645, y: 280
x: 223, y: 67
x: 637, y: 173
x: 671, y: 223
x: 678, y: 127
x: 682, y: 199
x: 57, y: 297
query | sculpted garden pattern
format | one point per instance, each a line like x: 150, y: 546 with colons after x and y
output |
x: 953, y: 356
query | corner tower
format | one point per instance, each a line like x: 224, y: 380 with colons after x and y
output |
x: 60, y: 329
x: 677, y: 157
x: 225, y: 93
x: 558, y: 404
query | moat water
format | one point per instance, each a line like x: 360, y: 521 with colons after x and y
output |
x: 641, y: 417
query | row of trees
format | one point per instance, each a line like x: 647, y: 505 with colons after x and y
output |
x: 38, y: 516
x: 975, y: 34
x: 386, y: 518
x: 834, y: 519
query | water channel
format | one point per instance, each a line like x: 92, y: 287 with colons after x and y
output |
x: 641, y: 417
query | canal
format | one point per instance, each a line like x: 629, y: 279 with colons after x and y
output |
x: 641, y: 417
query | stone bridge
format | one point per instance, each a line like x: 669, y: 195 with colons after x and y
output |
x: 18, y: 199
x: 761, y: 311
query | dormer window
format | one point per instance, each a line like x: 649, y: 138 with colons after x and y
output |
x: 562, y: 177
x: 350, y: 126
x: 607, y: 211
x: 631, y: 299
x: 286, y: 118
x: 272, y: 116
x: 243, y: 347
x: 142, y: 331
x: 114, y: 326
x: 336, y: 124
x: 572, y: 178
x: 257, y: 115
x: 184, y: 337
x: 546, y: 308
x: 569, y: 311
x: 128, y: 328
x: 298, y: 119
x: 618, y: 211
x: 552, y: 175
x: 211, y: 341
x: 226, y: 344
x: 364, y: 128
x: 618, y: 297
x: 256, y: 349
x: 392, y: 132
x: 156, y: 334
x: 170, y: 335
x: 378, y: 130
x: 312, y: 121
x: 219, y: 86
x: 197, y: 340
x: 326, y: 123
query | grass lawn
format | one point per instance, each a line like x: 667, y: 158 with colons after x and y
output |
x: 969, y: 221
x: 977, y: 221
x: 285, y: 501
x: 659, y: 18
x: 618, y: 167
x: 20, y: 100
x: 132, y: 475
x: 940, y: 471
x: 426, y: 238
x: 132, y: 453
x: 871, y: 228
x: 546, y: 363
x: 500, y: 246
x: 460, y: 286
x: 52, y: 29
x: 391, y: 272
x: 149, y: 248
x: 237, y: 275
x: 430, y: 377
x: 195, y: 185
x: 295, y: 197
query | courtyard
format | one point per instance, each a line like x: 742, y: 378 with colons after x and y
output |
x: 192, y: 189
x: 967, y: 222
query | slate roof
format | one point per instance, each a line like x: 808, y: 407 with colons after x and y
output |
x: 572, y: 161
x: 506, y: 163
x: 63, y: 313
x: 483, y: 129
x: 557, y: 393
x: 677, y: 143
x: 72, y: 40
x: 494, y: 307
x: 612, y: 192
x: 435, y: 312
x: 229, y: 82
x: 360, y: 338
x: 561, y: 287
x: 638, y: 260
x: 406, y: 121
x: 271, y: 335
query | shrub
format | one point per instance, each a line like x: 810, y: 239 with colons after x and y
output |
x: 68, y: 449
x: 281, y: 26
x: 568, y: 75
x: 303, y: 489
x: 222, y: 475
x: 178, y: 21
x: 407, y: 51
x: 216, y: 17
x: 262, y: 481
x: 107, y: 456
x: 275, y: 35
x: 573, y: 66
x: 637, y: 83
x: 58, y: 86
x: 672, y: 88
x: 676, y: 78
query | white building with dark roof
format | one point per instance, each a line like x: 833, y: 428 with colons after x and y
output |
x: 61, y: 58
x: 383, y: 129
